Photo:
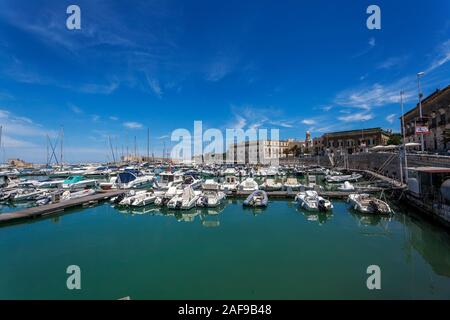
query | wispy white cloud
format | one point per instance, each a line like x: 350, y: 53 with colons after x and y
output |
x: 392, y: 62
x: 391, y: 118
x: 357, y: 117
x: 133, y: 125
x: 309, y: 122
x: 372, y: 42
x: 155, y: 87
x: 113, y: 118
x: 21, y: 126
x: 443, y: 56
x: 75, y: 109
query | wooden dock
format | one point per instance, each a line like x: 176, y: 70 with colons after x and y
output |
x: 43, y: 211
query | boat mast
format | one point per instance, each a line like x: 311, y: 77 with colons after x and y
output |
x: 62, y: 139
x: 112, y: 150
x: 148, y: 144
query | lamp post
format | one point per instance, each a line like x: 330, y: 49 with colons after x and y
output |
x: 420, y: 74
x: 404, y: 142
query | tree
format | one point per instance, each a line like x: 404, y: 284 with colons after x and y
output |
x: 395, y: 139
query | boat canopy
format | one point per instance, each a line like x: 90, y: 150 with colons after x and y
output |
x: 126, y: 177
x: 73, y: 179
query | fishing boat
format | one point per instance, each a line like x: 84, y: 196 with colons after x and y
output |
x: 248, y: 185
x: 310, y: 200
x: 271, y: 185
x: 257, y: 199
x: 79, y: 182
x: 366, y: 203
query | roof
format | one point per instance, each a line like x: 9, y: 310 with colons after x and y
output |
x: 432, y: 169
x: 358, y: 131
x: 429, y: 99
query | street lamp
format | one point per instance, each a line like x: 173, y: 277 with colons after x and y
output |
x: 404, y: 142
x: 420, y: 74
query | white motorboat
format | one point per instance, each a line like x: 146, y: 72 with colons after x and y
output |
x: 342, y: 178
x: 347, y: 186
x: 231, y: 183
x: 365, y: 203
x: 310, y: 200
x: 248, y: 185
x: 229, y: 172
x: 164, y: 198
x: 133, y: 179
x: 27, y: 194
x: 144, y: 199
x: 211, y: 195
x: 51, y: 184
x: 69, y: 195
x: 128, y: 200
x: 292, y: 184
x: 271, y: 185
x: 191, y: 181
x: 185, y: 201
x: 168, y: 179
x: 79, y: 182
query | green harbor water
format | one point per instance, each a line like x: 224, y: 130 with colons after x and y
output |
x: 228, y: 253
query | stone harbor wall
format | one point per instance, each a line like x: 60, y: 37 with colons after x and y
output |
x: 388, y: 161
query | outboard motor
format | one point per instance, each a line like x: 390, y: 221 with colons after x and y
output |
x: 321, y: 206
x: 119, y: 198
x: 204, y: 201
x: 373, y: 207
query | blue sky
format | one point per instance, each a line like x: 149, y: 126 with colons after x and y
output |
x: 292, y: 65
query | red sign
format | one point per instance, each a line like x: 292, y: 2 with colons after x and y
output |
x: 422, y: 130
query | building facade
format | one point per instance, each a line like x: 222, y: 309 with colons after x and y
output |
x: 350, y: 142
x: 435, y: 118
x: 257, y: 152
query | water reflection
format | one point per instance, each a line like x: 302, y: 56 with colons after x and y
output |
x: 315, y: 216
x: 209, y: 217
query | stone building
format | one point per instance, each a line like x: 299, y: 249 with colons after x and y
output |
x: 350, y: 142
x: 435, y: 117
x: 256, y: 152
